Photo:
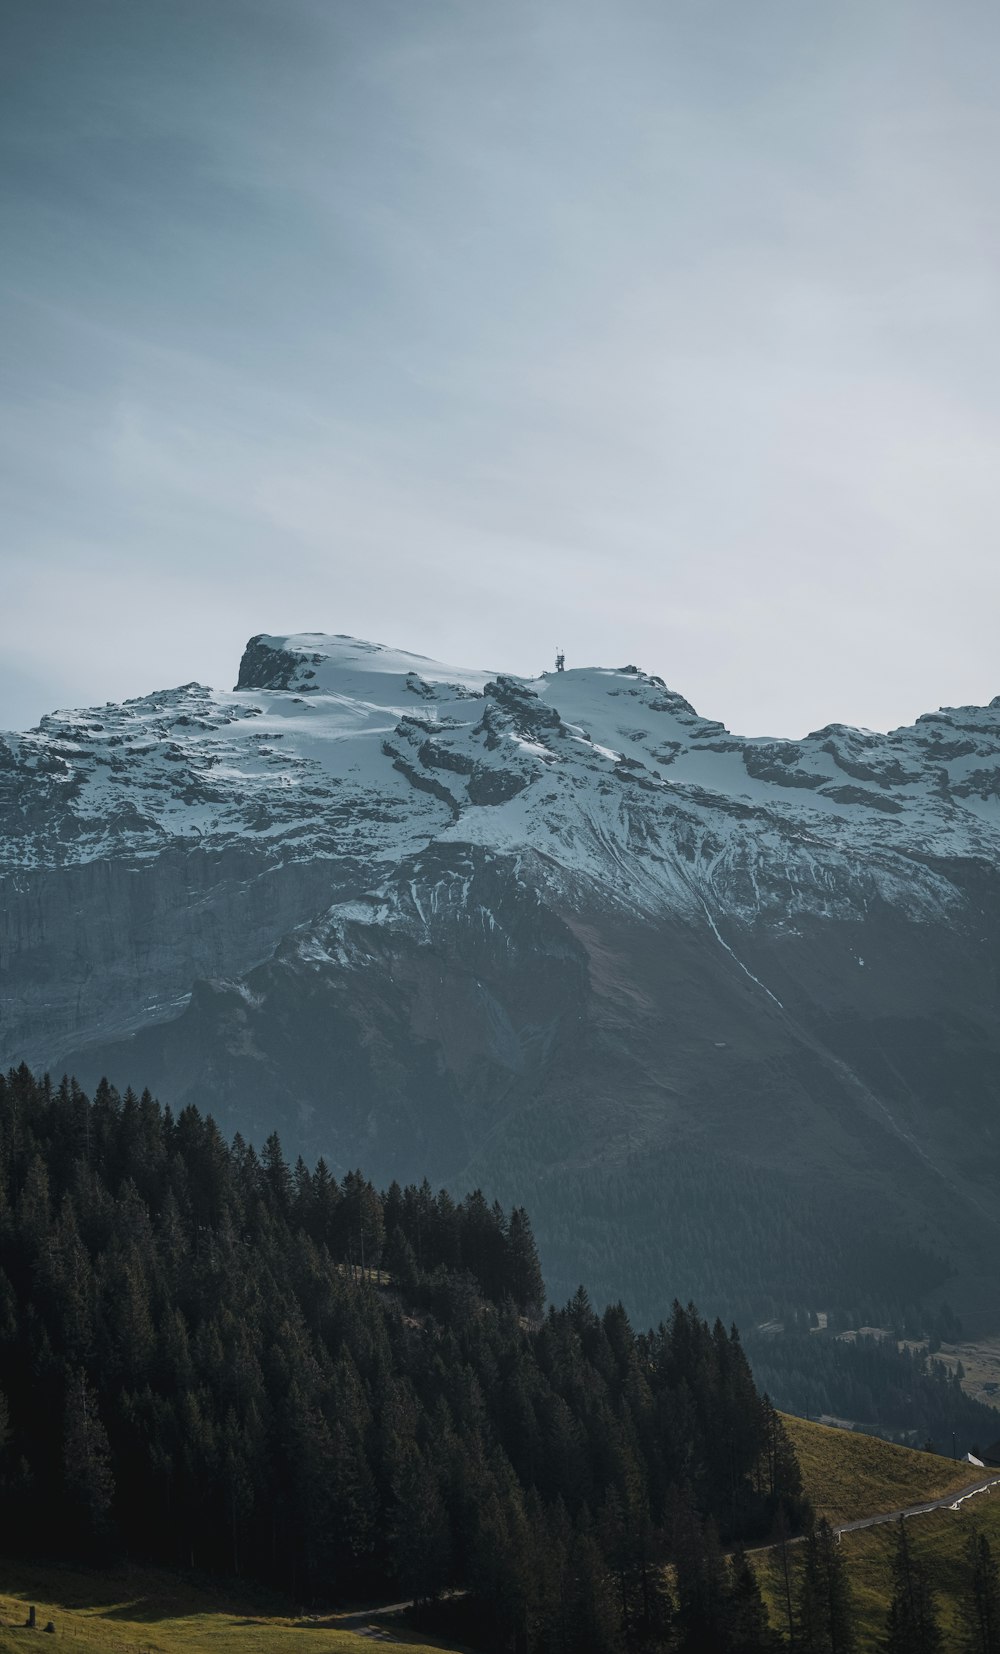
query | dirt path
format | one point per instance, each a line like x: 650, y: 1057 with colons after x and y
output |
x: 357, y: 1619
x: 365, y: 1620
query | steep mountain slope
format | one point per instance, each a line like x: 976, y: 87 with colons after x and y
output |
x: 725, y: 1011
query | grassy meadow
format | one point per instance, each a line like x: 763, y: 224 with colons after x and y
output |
x: 150, y: 1611
x: 937, y: 1538
x: 849, y: 1476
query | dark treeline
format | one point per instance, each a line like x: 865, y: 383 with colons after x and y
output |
x: 209, y: 1358
x: 756, y: 1243
x: 756, y: 1247
x: 888, y: 1391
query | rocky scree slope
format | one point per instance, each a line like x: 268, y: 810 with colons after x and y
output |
x: 724, y: 1010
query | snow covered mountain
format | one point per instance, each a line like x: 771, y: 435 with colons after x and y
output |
x: 561, y: 933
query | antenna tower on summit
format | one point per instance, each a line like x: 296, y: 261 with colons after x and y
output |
x: 560, y: 661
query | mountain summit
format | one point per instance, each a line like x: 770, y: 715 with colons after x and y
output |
x: 562, y: 935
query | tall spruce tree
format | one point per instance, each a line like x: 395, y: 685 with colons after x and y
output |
x: 825, y: 1617
x: 911, y: 1624
x: 701, y: 1582
x: 747, y: 1626
x: 979, y: 1609
x: 781, y: 1475
x: 782, y: 1534
x: 88, y: 1480
x: 527, y: 1286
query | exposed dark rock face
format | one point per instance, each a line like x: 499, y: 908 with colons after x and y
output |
x: 263, y: 667
x: 494, y: 786
x: 107, y: 946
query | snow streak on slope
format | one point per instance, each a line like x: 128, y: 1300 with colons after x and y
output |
x: 334, y: 748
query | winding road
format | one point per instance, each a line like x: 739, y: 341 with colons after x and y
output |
x: 949, y: 1501
x: 360, y: 1619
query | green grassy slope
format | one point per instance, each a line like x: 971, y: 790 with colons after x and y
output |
x: 135, y: 1610
x: 848, y: 1475
x: 938, y: 1538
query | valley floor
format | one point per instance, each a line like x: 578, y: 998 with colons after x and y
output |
x: 980, y: 1359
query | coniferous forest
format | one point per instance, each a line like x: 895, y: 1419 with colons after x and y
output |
x: 733, y: 1235
x: 209, y: 1358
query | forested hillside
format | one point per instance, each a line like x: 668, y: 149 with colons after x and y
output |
x: 212, y: 1359
x: 894, y: 1392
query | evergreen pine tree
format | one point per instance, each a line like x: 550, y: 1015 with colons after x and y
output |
x: 401, y: 1265
x: 781, y: 1538
x: 591, y: 1623
x: 419, y: 1531
x: 524, y: 1270
x: 701, y: 1582
x: 911, y: 1624
x: 89, y: 1484
x: 825, y: 1616
x: 979, y: 1609
x: 747, y: 1626
x: 277, y: 1177
x: 783, y: 1478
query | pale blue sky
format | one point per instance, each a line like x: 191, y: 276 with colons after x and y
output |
x: 665, y: 330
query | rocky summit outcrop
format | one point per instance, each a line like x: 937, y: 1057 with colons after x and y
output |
x: 733, y: 1002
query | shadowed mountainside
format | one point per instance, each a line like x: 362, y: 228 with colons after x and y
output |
x: 723, y: 1011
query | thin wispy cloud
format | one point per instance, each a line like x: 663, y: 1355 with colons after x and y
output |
x: 667, y: 333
